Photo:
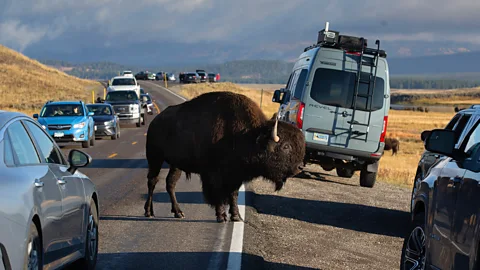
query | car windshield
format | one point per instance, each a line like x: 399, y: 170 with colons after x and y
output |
x: 55, y: 110
x: 336, y: 88
x: 123, y: 81
x: 121, y: 96
x: 99, y: 109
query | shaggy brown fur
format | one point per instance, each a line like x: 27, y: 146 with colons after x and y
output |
x: 392, y: 144
x: 226, y: 139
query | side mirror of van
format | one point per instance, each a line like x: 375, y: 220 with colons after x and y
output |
x: 425, y: 134
x: 441, y: 141
x: 286, y: 97
x: 276, y: 96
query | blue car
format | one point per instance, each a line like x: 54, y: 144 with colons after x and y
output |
x: 68, y: 121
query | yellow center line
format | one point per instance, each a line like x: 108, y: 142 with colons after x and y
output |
x: 134, y: 142
x: 156, y: 107
x: 112, y: 155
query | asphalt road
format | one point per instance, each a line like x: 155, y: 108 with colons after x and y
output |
x: 128, y: 240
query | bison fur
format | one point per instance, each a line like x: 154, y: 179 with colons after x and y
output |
x: 392, y: 144
x: 227, y: 140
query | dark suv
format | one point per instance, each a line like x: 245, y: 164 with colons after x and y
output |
x: 428, y: 159
x: 445, y: 205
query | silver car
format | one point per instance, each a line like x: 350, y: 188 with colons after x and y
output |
x: 48, y: 209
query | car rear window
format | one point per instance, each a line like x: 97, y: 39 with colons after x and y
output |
x: 336, y: 88
x: 123, y: 82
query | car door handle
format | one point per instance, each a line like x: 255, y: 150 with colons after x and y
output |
x: 61, y: 182
x: 38, y: 183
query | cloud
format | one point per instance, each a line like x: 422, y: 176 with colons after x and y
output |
x: 249, y: 23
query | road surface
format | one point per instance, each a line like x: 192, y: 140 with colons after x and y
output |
x: 128, y: 240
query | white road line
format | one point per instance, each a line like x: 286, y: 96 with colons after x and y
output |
x: 170, y: 91
x: 236, y: 245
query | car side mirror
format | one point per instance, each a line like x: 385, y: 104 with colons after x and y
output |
x: 425, y: 134
x: 91, y: 114
x: 441, y: 141
x: 286, y: 97
x: 35, y: 115
x: 276, y: 96
x: 78, y: 159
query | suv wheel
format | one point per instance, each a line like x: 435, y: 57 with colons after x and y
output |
x: 92, y: 140
x: 367, y: 179
x: 344, y: 172
x: 414, y: 249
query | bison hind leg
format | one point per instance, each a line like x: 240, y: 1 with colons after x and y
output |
x: 171, y: 181
x: 154, y: 167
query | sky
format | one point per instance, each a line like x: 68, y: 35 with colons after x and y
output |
x: 152, y: 31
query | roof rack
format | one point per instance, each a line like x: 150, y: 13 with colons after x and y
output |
x: 332, y: 39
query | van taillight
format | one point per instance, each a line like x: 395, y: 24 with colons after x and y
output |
x: 301, y: 109
x: 384, y: 130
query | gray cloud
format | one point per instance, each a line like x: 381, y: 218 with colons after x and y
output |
x: 254, y: 23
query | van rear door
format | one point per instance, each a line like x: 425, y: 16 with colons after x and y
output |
x: 329, y: 102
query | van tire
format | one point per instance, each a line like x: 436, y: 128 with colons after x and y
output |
x: 367, y: 179
x: 345, y: 173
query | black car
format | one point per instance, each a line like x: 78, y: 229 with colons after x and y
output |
x: 444, y: 233
x: 191, y: 77
x: 142, y: 75
x: 106, y: 120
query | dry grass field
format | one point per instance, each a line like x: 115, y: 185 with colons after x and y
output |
x: 461, y: 97
x: 26, y: 84
x: 403, y: 125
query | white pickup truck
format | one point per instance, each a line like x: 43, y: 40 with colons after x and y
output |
x: 124, y: 83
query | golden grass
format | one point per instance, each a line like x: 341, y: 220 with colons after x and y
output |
x: 407, y: 127
x: 463, y: 96
x: 26, y: 84
x: 268, y: 107
x: 403, y: 125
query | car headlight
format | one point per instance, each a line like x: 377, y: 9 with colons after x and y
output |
x: 79, y: 125
x: 44, y: 127
x: 108, y: 123
x: 134, y: 108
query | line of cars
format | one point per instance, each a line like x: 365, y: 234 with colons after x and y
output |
x: 198, y: 76
x: 159, y: 76
x: 49, y: 214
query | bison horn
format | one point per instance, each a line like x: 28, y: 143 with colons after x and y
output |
x: 274, y: 132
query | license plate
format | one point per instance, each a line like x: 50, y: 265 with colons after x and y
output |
x: 58, y: 134
x: 320, y: 137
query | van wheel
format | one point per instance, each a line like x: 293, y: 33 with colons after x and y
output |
x: 344, y: 172
x: 367, y: 179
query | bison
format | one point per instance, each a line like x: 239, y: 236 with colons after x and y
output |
x: 392, y: 144
x: 226, y: 139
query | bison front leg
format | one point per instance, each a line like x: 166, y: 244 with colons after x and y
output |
x: 233, y: 201
x: 172, y: 179
x: 220, y: 213
x: 152, y: 181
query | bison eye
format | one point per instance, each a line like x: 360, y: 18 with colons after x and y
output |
x: 287, y: 147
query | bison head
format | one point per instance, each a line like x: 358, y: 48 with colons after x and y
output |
x: 282, y: 148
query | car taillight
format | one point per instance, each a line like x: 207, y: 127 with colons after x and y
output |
x: 384, y: 130
x: 301, y: 109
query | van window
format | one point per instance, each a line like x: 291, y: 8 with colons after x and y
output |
x: 336, y: 88
x: 300, y: 84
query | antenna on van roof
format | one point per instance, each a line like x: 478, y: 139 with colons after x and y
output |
x: 326, y: 26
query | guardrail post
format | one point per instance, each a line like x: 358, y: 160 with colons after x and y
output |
x: 93, y: 96
x: 104, y: 93
x: 165, y: 79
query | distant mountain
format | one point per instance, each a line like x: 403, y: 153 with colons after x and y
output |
x: 460, y: 70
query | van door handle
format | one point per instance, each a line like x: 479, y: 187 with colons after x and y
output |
x: 38, y: 183
x: 61, y: 182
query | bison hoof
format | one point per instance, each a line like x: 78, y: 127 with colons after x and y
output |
x: 222, y: 218
x: 179, y: 215
x: 149, y: 214
x: 236, y: 218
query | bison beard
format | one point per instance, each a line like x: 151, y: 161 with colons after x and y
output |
x: 226, y: 139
